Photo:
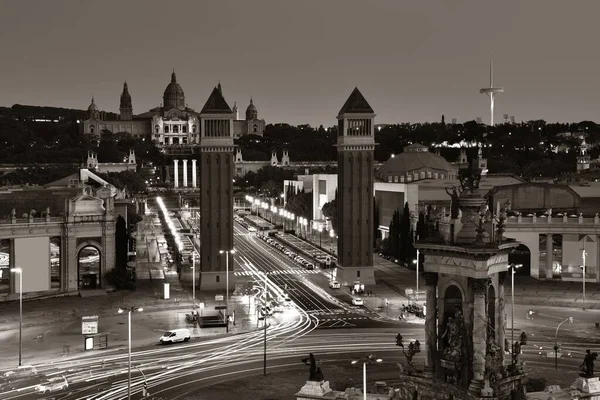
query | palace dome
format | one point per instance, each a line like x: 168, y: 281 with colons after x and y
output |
x: 173, y: 96
x: 416, y: 162
x: 93, y: 106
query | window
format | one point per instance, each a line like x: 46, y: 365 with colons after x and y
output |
x: 166, y: 128
x: 157, y: 129
x: 194, y: 128
x: 175, y: 128
x: 92, y: 128
x: 184, y: 129
x: 217, y: 278
x: 358, y: 274
x: 255, y: 128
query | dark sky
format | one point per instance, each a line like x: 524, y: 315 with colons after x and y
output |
x: 414, y: 60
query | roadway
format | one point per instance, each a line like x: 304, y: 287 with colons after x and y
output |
x: 320, y: 322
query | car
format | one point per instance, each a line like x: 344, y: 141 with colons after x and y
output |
x: 335, y: 285
x: 287, y: 301
x: 357, y: 301
x: 21, y: 372
x: 176, y: 335
x: 251, y: 229
x: 52, y: 385
x: 310, y: 266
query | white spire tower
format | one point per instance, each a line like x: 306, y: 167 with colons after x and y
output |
x: 491, y: 91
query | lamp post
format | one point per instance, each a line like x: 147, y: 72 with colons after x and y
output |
x: 20, y: 272
x: 512, y: 318
x: 266, y: 274
x: 369, y: 359
x: 331, y: 236
x: 129, y: 311
x: 320, y: 236
x: 227, y: 253
x: 583, y: 256
x: 417, y: 266
x: 194, y: 279
x: 570, y: 320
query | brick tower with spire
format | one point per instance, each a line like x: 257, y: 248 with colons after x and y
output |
x: 216, y: 194
x: 356, y: 144
x: 125, y: 107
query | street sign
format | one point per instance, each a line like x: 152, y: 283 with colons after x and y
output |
x: 89, y: 325
x: 219, y: 297
x: 201, y: 305
x: 550, y: 354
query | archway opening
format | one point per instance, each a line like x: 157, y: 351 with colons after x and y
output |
x: 521, y: 255
x: 88, y: 267
x: 452, y: 302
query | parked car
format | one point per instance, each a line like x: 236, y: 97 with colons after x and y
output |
x: 335, y: 285
x: 176, y: 335
x: 52, y: 385
x: 21, y: 372
x: 357, y: 301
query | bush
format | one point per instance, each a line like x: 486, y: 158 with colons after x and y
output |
x: 536, y: 384
x: 121, y: 278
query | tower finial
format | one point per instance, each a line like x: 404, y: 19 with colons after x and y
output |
x: 491, y: 73
x: 173, y: 77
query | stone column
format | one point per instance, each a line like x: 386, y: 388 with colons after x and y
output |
x: 479, y: 287
x: 185, y: 173
x: 194, y: 173
x: 549, y: 255
x: 431, y: 279
x: 501, y: 312
x: 176, y: 173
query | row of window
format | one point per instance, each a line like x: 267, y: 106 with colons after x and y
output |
x: 355, y: 127
x: 416, y: 176
x: 216, y: 128
x: 174, y: 129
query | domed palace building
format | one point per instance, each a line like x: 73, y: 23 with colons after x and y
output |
x: 171, y: 123
x: 416, y: 162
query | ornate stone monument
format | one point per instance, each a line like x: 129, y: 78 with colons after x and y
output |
x: 315, y: 387
x: 465, y: 267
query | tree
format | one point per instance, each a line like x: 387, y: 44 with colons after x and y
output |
x: 270, y: 189
x: 301, y: 205
x: 394, y: 235
x: 330, y: 211
x: 406, y: 242
x: 121, y: 240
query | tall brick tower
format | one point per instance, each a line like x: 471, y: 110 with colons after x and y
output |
x: 216, y: 191
x: 125, y: 107
x: 356, y: 143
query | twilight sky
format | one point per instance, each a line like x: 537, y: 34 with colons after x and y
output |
x: 413, y: 60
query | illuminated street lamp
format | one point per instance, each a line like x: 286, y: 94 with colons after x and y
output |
x: 583, y: 256
x: 570, y: 320
x: 514, y: 267
x: 129, y: 311
x: 366, y: 360
x: 320, y: 229
x: 227, y: 252
x: 20, y: 272
x: 331, y: 236
x: 416, y: 262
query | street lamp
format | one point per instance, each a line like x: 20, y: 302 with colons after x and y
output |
x: 416, y: 262
x: 366, y: 360
x: 20, y: 272
x: 514, y: 267
x: 227, y: 252
x: 331, y: 236
x: 320, y: 236
x: 583, y: 256
x: 129, y: 311
x: 194, y: 279
x: 266, y: 274
x: 570, y: 320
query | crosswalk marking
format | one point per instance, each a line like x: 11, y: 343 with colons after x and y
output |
x: 278, y: 272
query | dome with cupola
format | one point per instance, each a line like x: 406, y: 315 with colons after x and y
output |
x: 173, y: 96
x: 414, y: 163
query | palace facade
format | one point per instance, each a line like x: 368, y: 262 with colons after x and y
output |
x: 172, y: 123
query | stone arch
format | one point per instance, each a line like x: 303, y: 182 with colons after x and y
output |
x: 521, y: 255
x: 89, y: 276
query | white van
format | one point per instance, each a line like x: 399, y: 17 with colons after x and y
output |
x: 176, y: 335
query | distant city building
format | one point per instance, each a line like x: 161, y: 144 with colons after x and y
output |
x: 129, y: 164
x: 416, y: 163
x: 171, y: 123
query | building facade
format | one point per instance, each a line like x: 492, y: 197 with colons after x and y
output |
x: 170, y: 124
